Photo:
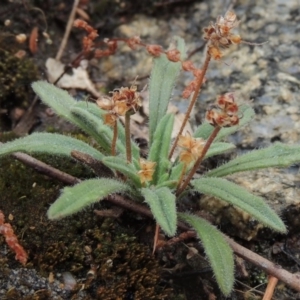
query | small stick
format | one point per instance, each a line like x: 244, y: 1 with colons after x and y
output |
x: 128, y: 137
x: 155, y: 238
x: 114, y: 140
x: 44, y: 168
x: 272, y: 281
x: 68, y: 30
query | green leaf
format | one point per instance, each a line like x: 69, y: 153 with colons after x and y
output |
x: 49, y: 143
x: 73, y: 199
x: 277, y: 155
x: 241, y: 198
x: 121, y: 165
x: 163, y: 207
x: 59, y: 100
x: 219, y: 148
x: 163, y: 76
x: 176, y: 171
x: 218, y: 251
x: 159, y: 149
x: 205, y: 130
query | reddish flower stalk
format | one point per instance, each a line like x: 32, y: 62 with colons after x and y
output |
x: 224, y: 113
x: 12, y: 240
x: 199, y: 160
x: 114, y: 140
x: 192, y: 103
x: 128, y: 137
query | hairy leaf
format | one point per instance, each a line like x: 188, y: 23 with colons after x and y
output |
x: 219, y: 148
x: 277, y: 155
x: 121, y: 165
x: 205, y: 130
x: 163, y: 207
x: 176, y: 171
x: 49, y: 143
x: 163, y: 76
x: 241, y: 198
x: 59, y: 100
x: 73, y: 199
x: 159, y: 149
x: 218, y: 251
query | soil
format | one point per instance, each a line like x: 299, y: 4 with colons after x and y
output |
x: 86, y: 256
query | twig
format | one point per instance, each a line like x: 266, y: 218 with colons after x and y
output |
x: 270, y: 288
x: 128, y: 137
x: 68, y: 30
x: 292, y: 280
x: 43, y: 168
x: 27, y: 121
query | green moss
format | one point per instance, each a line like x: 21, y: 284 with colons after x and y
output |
x: 15, y: 78
x: 124, y: 267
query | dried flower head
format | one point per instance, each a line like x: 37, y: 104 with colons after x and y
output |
x: 192, y: 148
x: 224, y: 113
x: 219, y: 34
x: 155, y: 50
x: 133, y: 42
x: 129, y: 97
x: 188, y: 65
x: 191, y: 87
x: 122, y: 100
x: 147, y: 170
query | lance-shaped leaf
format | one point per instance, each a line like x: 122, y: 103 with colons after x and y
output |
x: 218, y: 251
x: 241, y: 198
x: 49, y: 143
x: 219, y: 148
x: 163, y: 207
x: 163, y: 76
x: 277, y: 155
x: 159, y: 149
x: 121, y: 165
x: 83, y: 194
x: 59, y: 100
x: 176, y: 171
x: 205, y: 130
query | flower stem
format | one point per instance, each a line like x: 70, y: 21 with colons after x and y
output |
x: 127, y: 136
x: 199, y: 160
x: 193, y: 101
x: 181, y: 176
x: 114, y: 140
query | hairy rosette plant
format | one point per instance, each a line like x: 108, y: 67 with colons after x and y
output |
x: 162, y: 179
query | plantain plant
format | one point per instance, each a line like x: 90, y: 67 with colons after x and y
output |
x: 161, y: 179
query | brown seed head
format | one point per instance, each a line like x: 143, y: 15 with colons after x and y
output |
x: 224, y: 113
x: 155, y: 50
